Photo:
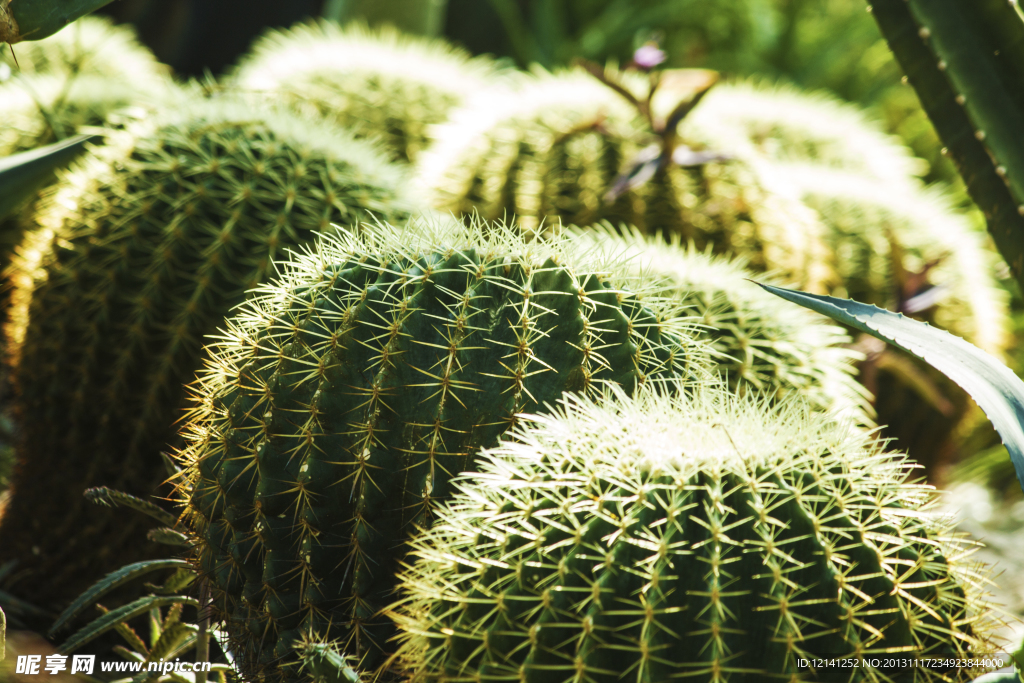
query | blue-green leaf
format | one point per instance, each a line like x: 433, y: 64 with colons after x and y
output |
x: 122, y: 614
x: 995, y: 388
x: 23, y: 174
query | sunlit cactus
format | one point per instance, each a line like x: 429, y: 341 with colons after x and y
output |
x: 699, y: 536
x: 550, y: 149
x: 378, y: 82
x: 342, y: 399
x: 144, y: 249
x: 789, y: 125
x: 765, y: 345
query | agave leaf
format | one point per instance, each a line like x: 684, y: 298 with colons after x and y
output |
x: 169, y: 641
x: 101, y: 495
x: 995, y: 388
x: 23, y: 174
x: 38, y: 19
x: 178, y: 581
x: 110, y: 582
x: 114, y: 617
x: 168, y: 536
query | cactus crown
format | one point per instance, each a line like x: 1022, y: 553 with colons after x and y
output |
x: 697, y: 535
x: 765, y: 344
x: 342, y: 399
x: 378, y: 82
x: 145, y: 248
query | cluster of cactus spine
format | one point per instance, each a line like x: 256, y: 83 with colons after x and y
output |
x: 966, y: 63
x: 550, y: 149
x: 344, y: 397
x: 145, y: 248
x: 379, y: 83
x: 698, y: 535
x: 792, y: 126
x: 764, y: 345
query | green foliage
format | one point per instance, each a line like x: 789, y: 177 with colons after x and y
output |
x: 764, y: 346
x: 694, y: 535
x: 550, y: 149
x: 145, y: 249
x: 343, y: 398
x: 37, y: 19
x: 967, y: 66
x: 998, y: 391
x: 21, y: 175
x: 378, y: 83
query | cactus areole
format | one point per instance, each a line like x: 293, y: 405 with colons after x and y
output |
x: 342, y: 402
x: 699, y: 537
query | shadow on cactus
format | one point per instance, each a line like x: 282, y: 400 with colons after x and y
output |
x: 342, y: 399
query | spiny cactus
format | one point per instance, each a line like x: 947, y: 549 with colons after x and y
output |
x: 765, y: 345
x: 550, y: 150
x: 699, y: 536
x: 344, y: 398
x: 92, y: 46
x: 145, y: 249
x: 786, y: 124
x: 966, y: 62
x: 378, y: 82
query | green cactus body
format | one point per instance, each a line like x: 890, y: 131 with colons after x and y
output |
x: 549, y: 150
x: 345, y: 398
x: 789, y: 125
x: 145, y: 248
x: 876, y: 228
x: 699, y: 536
x: 764, y: 345
x: 92, y: 46
x: 378, y: 83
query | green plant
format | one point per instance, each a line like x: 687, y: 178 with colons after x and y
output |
x: 144, y: 250
x: 567, y: 148
x: 966, y: 62
x: 696, y: 535
x: 344, y: 397
x: 378, y: 83
x: 21, y: 175
x: 764, y: 346
x: 38, y: 19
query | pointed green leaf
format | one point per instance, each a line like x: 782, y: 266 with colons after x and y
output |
x: 110, y: 582
x: 38, y: 19
x: 114, y: 617
x: 994, y: 387
x: 178, y: 581
x: 101, y: 495
x: 24, y: 174
x: 168, y: 536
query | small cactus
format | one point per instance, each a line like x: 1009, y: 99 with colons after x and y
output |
x: 764, y: 345
x: 698, y: 535
x: 145, y: 248
x: 378, y: 83
x: 343, y: 398
x: 551, y: 149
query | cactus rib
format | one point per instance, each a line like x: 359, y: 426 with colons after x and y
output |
x: 954, y: 57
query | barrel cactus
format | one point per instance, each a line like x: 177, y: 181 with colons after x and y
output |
x: 345, y: 396
x: 143, y: 251
x: 377, y: 82
x: 763, y: 344
x: 697, y: 535
x: 789, y: 125
x: 550, y: 149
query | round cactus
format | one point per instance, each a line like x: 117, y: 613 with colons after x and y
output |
x: 763, y: 344
x: 144, y: 250
x: 549, y: 151
x: 700, y: 536
x: 92, y: 45
x: 378, y: 82
x: 346, y: 396
x: 788, y: 125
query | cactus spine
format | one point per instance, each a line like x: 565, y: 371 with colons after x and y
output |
x: 550, y: 150
x: 966, y: 62
x: 145, y: 249
x: 345, y: 397
x: 379, y: 83
x: 698, y: 535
